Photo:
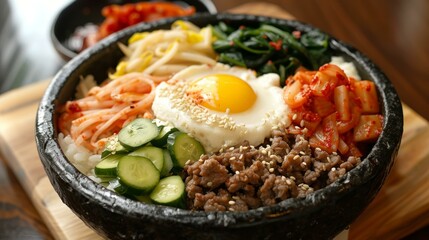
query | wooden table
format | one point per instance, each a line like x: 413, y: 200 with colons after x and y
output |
x: 382, y: 29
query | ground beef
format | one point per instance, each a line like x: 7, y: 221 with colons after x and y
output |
x: 248, y: 177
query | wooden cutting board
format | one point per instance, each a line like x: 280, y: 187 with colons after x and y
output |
x: 400, y: 208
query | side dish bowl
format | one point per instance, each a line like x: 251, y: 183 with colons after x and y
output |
x: 81, y: 12
x: 320, y: 215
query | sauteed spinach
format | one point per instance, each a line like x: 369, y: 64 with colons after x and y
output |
x: 269, y: 49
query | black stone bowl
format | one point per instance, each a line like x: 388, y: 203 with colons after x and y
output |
x: 320, y: 215
x: 81, y: 12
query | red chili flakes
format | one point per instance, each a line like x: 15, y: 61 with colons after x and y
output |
x: 276, y: 45
x: 73, y: 107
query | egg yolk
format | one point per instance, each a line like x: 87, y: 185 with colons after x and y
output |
x: 222, y: 93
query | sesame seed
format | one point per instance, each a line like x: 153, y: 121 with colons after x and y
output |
x: 264, y: 162
x: 297, y: 128
x: 293, y: 178
x: 232, y: 158
x: 271, y: 170
x: 301, y: 123
x: 288, y: 182
x: 245, y: 148
x: 302, y: 152
x: 231, y: 202
x: 263, y: 151
x: 200, y: 160
x: 231, y: 148
x: 294, y: 116
x: 237, y: 172
x: 295, y: 157
x: 328, y: 158
x: 273, y: 156
x: 305, y: 130
x: 209, y: 184
x: 318, y: 149
x: 283, y: 178
x: 187, y: 162
x: 241, y: 156
x: 334, y: 153
x: 221, y: 150
x: 333, y: 169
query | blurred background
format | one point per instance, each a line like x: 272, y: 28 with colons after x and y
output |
x: 27, y: 54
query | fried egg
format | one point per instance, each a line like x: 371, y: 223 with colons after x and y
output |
x: 221, y: 106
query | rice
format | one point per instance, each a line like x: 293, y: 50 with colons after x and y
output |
x: 79, y: 156
x: 348, y: 67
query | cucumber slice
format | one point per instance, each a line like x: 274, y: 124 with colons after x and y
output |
x: 169, y: 191
x: 107, y: 167
x: 137, y: 133
x: 113, y: 146
x: 168, y: 163
x: 117, y: 186
x: 183, y: 147
x: 138, y: 174
x: 152, y: 153
x: 161, y: 139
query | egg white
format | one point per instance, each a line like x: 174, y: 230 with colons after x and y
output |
x: 216, y: 130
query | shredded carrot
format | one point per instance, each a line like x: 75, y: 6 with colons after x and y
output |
x: 108, y: 108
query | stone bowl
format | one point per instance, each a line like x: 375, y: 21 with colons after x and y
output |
x: 320, y: 215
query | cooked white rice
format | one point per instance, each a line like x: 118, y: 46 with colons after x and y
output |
x: 348, y: 67
x: 79, y: 156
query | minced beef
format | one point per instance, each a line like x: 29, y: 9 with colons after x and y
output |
x: 248, y: 177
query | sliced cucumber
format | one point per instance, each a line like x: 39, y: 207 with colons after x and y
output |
x: 113, y: 146
x: 183, y: 147
x: 154, y: 154
x: 118, y: 187
x: 139, y: 174
x: 168, y: 163
x: 137, y: 133
x: 161, y: 139
x: 107, y: 167
x: 169, y: 191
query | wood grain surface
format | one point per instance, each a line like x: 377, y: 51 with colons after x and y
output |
x: 399, y: 209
